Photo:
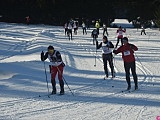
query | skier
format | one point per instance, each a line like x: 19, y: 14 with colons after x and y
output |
x: 120, y: 35
x: 57, y: 65
x: 75, y: 27
x: 69, y: 32
x: 127, y: 51
x: 65, y: 28
x: 94, y: 35
x: 106, y: 55
x: 143, y: 30
x: 84, y: 28
x: 105, y: 29
x: 97, y: 26
x: 27, y: 20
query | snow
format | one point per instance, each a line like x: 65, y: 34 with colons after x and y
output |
x: 123, y: 23
x: 22, y: 76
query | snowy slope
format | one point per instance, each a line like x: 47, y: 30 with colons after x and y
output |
x: 22, y: 76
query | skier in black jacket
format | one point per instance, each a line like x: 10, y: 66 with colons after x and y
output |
x: 107, y: 55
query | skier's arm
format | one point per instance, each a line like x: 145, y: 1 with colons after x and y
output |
x: 118, y: 50
x: 110, y: 45
x: 58, y: 55
x: 133, y: 47
x: 98, y: 46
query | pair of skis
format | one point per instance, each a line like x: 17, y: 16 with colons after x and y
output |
x: 48, y: 95
x: 129, y: 91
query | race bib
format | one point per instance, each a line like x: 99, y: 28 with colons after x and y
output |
x: 126, y: 53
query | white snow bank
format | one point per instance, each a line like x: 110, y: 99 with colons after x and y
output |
x: 122, y: 22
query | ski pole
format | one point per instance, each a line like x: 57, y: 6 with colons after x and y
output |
x: 114, y: 65
x: 95, y: 57
x: 140, y: 63
x: 46, y: 77
x: 65, y: 80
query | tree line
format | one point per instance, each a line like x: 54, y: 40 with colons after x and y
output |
x: 57, y: 12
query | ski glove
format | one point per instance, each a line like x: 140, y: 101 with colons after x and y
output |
x: 114, y: 51
x: 42, y: 56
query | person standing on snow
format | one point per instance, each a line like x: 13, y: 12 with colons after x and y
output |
x: 56, y: 65
x: 94, y: 35
x: 120, y: 35
x: 27, y: 20
x: 69, y: 32
x: 143, y: 30
x: 106, y: 55
x: 127, y: 51
x: 105, y: 29
x: 75, y: 27
x: 65, y: 28
x: 97, y: 26
x: 84, y: 28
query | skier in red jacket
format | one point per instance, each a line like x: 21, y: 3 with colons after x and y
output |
x: 120, y: 32
x: 127, y: 51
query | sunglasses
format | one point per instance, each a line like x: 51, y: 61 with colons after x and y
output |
x: 50, y: 51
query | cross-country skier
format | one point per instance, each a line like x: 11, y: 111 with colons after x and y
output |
x: 75, y: 27
x: 27, y: 20
x: 143, y: 30
x: 127, y: 51
x: 94, y: 35
x: 105, y: 29
x: 56, y: 66
x: 97, y: 26
x: 106, y: 55
x: 84, y: 28
x: 120, y: 32
x: 70, y: 27
x: 65, y: 28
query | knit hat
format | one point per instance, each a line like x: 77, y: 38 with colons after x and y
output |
x: 125, y: 39
x: 50, y: 47
x: 105, y: 37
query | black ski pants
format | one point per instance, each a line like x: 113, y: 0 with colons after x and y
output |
x: 108, y: 58
x: 118, y: 42
x: 131, y: 66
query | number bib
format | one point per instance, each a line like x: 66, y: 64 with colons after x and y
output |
x: 126, y: 53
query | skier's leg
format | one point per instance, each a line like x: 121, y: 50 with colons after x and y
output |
x: 94, y: 37
x: 133, y: 69
x: 60, y: 77
x: 103, y: 32
x: 105, y: 64
x: 127, y: 68
x: 85, y: 31
x: 111, y: 65
x: 53, y: 75
x: 121, y: 41
x: 71, y: 34
x: 117, y: 42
